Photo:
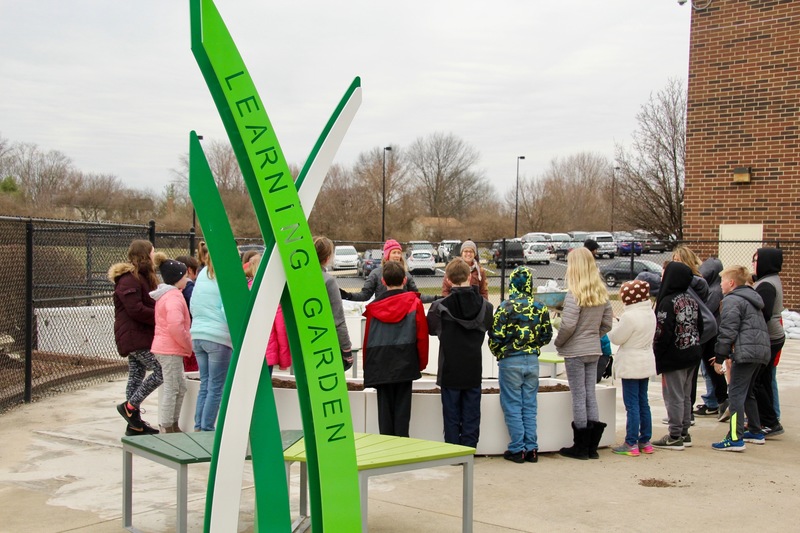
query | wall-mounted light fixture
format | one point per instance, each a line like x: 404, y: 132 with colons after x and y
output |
x: 741, y: 175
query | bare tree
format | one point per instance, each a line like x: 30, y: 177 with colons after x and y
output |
x: 41, y: 175
x: 651, y: 175
x: 443, y: 169
x: 93, y: 196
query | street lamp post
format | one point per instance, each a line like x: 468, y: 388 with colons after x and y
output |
x: 516, y: 199
x: 383, y: 196
x: 613, y: 195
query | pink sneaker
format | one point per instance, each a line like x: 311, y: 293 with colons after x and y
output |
x: 646, y: 447
x: 625, y: 449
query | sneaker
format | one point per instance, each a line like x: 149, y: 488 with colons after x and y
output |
x: 773, y: 431
x: 669, y: 443
x: 646, y: 447
x: 626, y: 449
x: 728, y: 445
x: 692, y: 421
x: 518, y: 457
x: 725, y: 415
x: 132, y: 416
x: 753, y: 438
x: 687, y: 440
x: 704, y: 410
x: 532, y: 456
x: 665, y: 421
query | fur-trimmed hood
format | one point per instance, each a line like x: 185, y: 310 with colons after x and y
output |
x: 118, y: 269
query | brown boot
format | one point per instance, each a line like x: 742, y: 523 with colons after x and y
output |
x: 166, y: 429
x: 175, y: 428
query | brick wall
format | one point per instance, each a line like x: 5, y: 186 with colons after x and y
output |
x: 743, y: 103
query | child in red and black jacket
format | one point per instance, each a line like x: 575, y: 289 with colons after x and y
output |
x: 395, y: 349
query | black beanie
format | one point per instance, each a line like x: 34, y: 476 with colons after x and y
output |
x: 172, y: 271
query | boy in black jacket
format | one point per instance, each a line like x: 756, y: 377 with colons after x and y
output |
x: 460, y: 321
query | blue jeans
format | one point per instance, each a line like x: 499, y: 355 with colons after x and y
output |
x: 213, y: 360
x: 519, y: 382
x: 709, y: 398
x: 461, y: 414
x: 639, y: 427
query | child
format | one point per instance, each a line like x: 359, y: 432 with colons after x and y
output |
x: 278, y: 345
x: 677, y: 348
x: 460, y: 321
x: 134, y: 326
x: 519, y: 329
x: 172, y: 341
x: 192, y: 267
x: 586, y: 318
x: 395, y: 349
x: 743, y: 336
x: 324, y: 249
x: 635, y: 364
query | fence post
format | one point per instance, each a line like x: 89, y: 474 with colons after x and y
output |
x: 192, y: 236
x: 503, y: 271
x: 151, y: 232
x: 28, y: 311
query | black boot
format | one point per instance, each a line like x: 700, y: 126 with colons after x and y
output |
x: 580, y: 446
x: 595, y: 435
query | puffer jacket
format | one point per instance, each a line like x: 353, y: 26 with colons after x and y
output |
x: 134, y: 309
x: 520, y: 325
x: 172, y: 322
x: 768, y: 285
x: 743, y: 334
x: 582, y: 327
x: 634, y: 335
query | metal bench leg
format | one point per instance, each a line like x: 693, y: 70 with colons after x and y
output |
x: 466, y: 513
x: 303, y: 489
x: 363, y: 486
x: 127, y: 489
x: 182, y: 495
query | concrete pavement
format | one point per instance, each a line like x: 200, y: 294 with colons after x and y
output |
x: 61, y: 463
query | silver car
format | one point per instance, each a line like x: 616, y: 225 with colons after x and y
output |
x: 345, y: 258
x: 421, y: 261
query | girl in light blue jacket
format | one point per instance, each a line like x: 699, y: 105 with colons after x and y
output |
x: 211, y: 342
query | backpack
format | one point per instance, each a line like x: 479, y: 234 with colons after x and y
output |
x: 710, y: 328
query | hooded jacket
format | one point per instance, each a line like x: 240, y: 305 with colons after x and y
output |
x: 395, y: 338
x: 172, y: 335
x: 678, y: 322
x: 710, y: 270
x: 208, y: 315
x: 743, y: 332
x: 134, y: 309
x: 634, y: 335
x: 520, y: 325
x: 374, y: 286
x: 768, y: 286
x: 460, y: 321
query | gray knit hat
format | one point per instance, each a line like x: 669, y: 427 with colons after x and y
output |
x: 469, y: 244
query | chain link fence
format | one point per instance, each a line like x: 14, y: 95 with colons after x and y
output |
x: 57, y: 317
x: 56, y: 321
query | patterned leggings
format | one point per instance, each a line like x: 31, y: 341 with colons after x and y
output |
x: 139, y: 387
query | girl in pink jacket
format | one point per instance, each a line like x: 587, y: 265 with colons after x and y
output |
x: 278, y: 346
x: 172, y: 341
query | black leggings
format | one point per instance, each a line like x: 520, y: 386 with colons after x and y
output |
x: 763, y: 388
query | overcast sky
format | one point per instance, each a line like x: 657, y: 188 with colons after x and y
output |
x: 115, y: 87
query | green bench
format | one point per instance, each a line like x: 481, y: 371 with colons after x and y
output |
x: 385, y: 454
x: 375, y: 455
x: 177, y: 451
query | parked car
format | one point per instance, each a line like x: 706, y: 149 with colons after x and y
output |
x: 653, y: 245
x: 514, y: 255
x: 421, y: 261
x: 536, y: 252
x: 448, y: 250
x: 368, y: 261
x: 620, y: 270
x: 608, y: 247
x: 419, y: 245
x: 563, y: 248
x: 624, y: 248
x: 344, y: 258
x: 536, y: 236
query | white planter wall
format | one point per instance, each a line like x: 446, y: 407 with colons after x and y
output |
x: 87, y: 330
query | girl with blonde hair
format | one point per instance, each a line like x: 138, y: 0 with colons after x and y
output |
x: 585, y: 319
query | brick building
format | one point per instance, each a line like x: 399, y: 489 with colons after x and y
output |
x: 743, y: 124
